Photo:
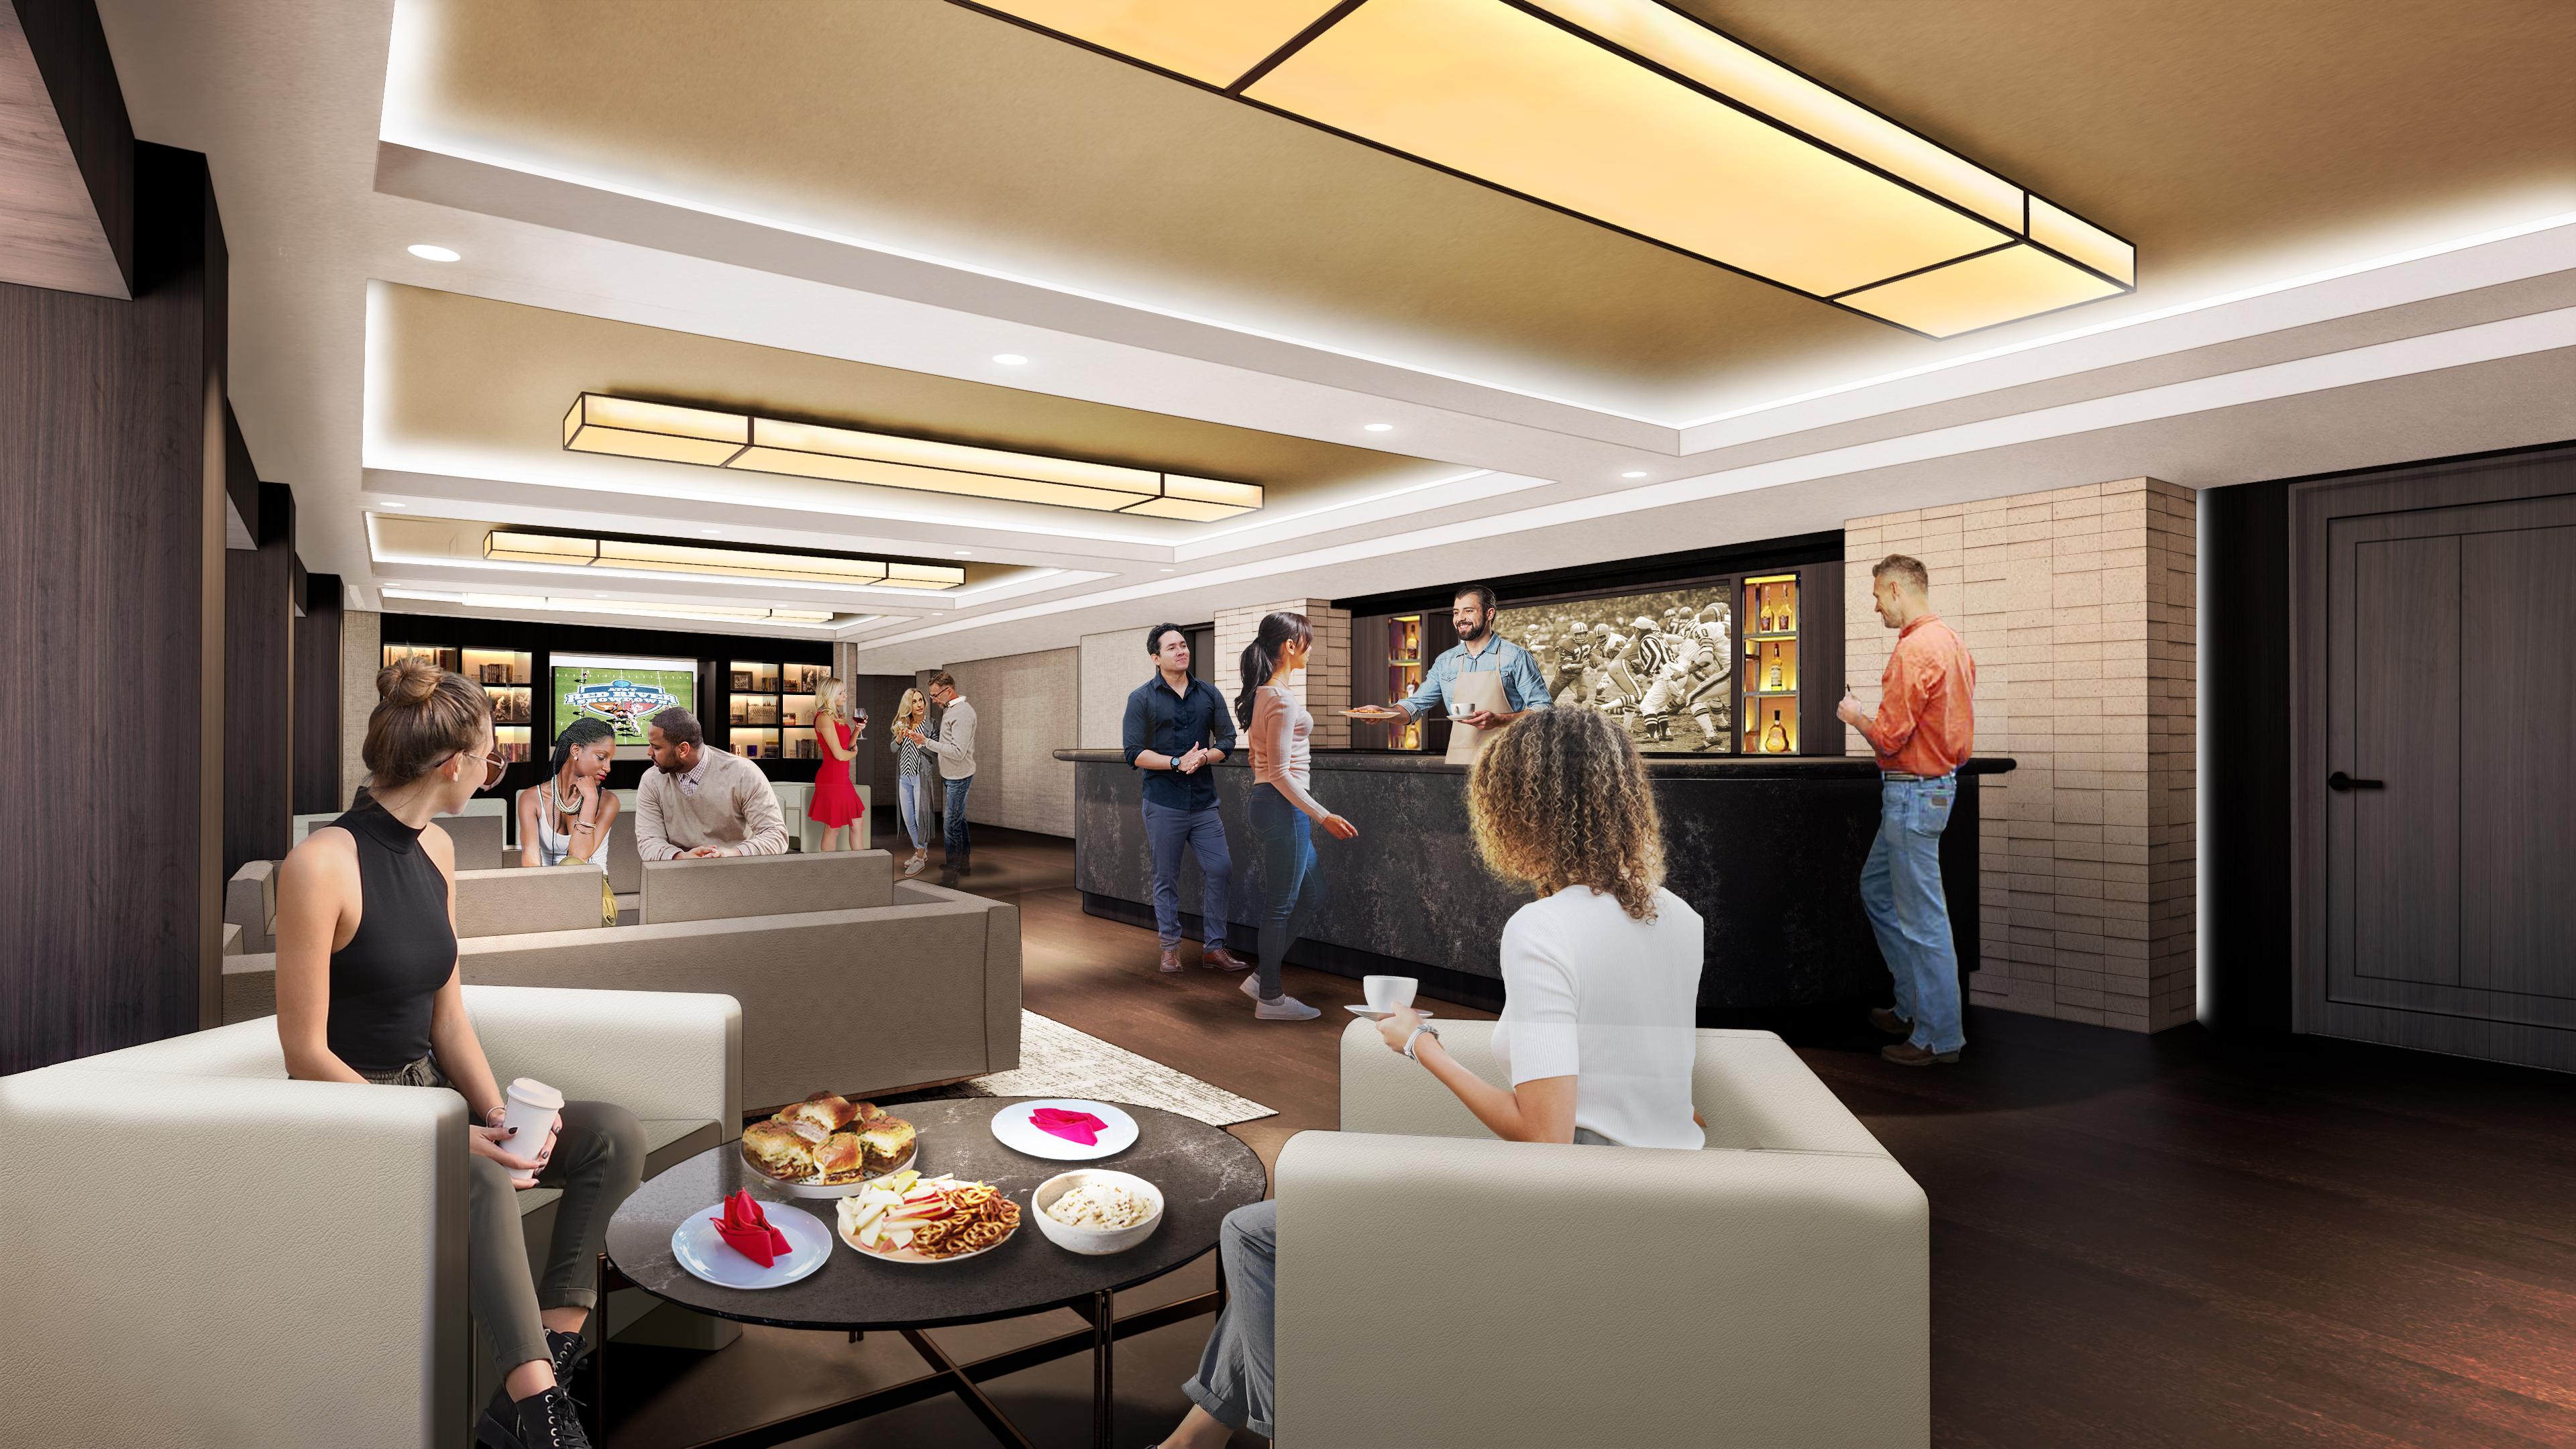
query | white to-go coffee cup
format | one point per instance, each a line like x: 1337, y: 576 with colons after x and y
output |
x: 531, y: 1112
x: 1388, y: 993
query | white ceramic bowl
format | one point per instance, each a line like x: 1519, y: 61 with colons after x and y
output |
x: 1094, y: 1240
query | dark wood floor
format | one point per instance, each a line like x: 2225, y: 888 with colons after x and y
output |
x: 2164, y: 1241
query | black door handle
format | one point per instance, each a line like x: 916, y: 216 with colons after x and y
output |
x: 2339, y: 782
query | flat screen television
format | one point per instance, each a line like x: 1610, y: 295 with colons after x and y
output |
x: 1660, y: 664
x: 625, y: 692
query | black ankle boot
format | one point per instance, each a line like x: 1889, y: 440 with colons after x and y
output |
x: 567, y: 1350
x: 547, y: 1421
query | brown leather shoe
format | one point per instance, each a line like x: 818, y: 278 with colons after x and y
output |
x: 1217, y: 958
x: 1888, y: 1021
x: 1907, y: 1054
x: 1171, y: 958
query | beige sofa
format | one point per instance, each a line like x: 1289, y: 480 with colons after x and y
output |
x: 488, y: 903
x: 925, y: 988
x: 1439, y: 1286
x: 289, y: 1270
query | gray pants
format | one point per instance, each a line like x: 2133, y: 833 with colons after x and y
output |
x: 1167, y: 831
x: 597, y: 1163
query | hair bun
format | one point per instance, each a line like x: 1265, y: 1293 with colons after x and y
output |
x: 409, y: 681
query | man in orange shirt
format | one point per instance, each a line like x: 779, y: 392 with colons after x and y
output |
x: 1922, y: 732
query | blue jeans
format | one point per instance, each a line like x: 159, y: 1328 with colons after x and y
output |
x: 1900, y: 888
x: 956, y: 836
x: 908, y: 796
x: 1166, y: 831
x: 1292, y: 890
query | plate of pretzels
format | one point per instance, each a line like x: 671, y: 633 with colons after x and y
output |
x: 828, y: 1146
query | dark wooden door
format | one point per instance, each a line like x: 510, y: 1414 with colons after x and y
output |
x: 2441, y: 624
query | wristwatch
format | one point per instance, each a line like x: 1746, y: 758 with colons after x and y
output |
x: 1421, y: 1029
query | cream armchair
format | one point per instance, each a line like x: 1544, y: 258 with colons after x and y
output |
x: 288, y: 1258
x: 1439, y: 1286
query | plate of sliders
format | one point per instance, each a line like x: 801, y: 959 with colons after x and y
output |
x: 828, y: 1146
x: 907, y: 1218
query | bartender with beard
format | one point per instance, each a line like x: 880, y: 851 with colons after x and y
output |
x: 1483, y: 681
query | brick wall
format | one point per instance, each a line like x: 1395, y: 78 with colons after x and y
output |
x: 1324, y: 687
x: 2077, y: 604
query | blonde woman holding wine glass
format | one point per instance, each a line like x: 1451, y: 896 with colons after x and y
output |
x: 836, y: 803
x: 911, y: 770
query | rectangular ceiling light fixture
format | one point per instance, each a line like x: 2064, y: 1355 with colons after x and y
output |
x: 749, y: 444
x: 519, y: 546
x: 635, y: 608
x: 1642, y: 119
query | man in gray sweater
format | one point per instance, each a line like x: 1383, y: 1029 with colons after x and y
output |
x: 955, y: 748
x: 702, y: 802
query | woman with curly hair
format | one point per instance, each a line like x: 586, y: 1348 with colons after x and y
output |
x: 1601, y: 975
x: 1601, y: 972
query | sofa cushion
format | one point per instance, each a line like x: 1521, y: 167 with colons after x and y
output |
x: 765, y: 885
x: 516, y: 902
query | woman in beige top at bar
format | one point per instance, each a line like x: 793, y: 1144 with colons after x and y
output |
x: 1284, y: 812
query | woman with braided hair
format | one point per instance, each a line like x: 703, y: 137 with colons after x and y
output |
x: 1601, y: 985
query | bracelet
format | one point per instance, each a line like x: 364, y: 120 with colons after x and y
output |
x: 1417, y: 1032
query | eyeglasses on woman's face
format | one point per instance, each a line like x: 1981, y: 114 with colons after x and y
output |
x: 494, y: 767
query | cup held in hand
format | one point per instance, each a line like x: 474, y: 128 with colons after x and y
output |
x: 532, y: 1109
x: 1388, y: 993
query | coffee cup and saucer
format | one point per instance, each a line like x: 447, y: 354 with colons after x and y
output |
x: 1387, y: 995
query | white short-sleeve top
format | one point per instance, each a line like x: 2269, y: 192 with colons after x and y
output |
x: 1610, y: 1001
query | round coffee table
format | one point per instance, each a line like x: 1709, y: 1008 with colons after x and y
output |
x: 1203, y: 1171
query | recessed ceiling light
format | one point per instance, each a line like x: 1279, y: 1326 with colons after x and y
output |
x: 710, y: 530
x: 428, y: 253
x: 965, y: 553
x: 1381, y: 427
x: 1632, y: 475
x: 389, y: 503
x: 1009, y: 359
x: 1167, y: 570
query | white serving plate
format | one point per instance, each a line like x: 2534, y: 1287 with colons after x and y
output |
x: 832, y: 1189
x: 1012, y: 1127
x: 695, y: 1244
x: 1374, y: 1014
x: 908, y: 1256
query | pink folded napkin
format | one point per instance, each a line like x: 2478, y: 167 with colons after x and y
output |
x: 1079, y: 1127
x: 746, y: 1230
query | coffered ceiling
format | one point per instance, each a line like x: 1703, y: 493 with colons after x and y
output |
x: 2356, y: 244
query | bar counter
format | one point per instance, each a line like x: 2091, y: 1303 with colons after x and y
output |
x: 1768, y: 850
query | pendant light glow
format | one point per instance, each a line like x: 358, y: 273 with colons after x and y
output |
x: 515, y: 545
x: 1642, y: 119
x: 672, y: 434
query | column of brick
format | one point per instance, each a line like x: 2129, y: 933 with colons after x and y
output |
x: 2172, y: 564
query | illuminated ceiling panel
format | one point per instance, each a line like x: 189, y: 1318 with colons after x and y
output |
x: 598, y: 424
x: 653, y: 556
x: 1637, y: 117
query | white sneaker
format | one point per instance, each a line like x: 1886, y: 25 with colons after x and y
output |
x: 1286, y: 1008
x: 914, y: 865
x: 1252, y: 985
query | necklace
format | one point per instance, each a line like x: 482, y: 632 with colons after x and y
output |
x: 552, y: 798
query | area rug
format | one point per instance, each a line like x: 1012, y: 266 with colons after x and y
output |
x: 1057, y: 1061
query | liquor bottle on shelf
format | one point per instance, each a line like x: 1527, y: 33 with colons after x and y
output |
x: 1773, y: 681
x: 1766, y: 612
x: 1775, y: 740
x: 1783, y: 618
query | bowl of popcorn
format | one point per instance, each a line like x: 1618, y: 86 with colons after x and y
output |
x: 1094, y: 1210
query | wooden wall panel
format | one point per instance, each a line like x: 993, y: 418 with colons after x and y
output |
x: 317, y: 697
x: 259, y: 675
x: 111, y: 911
x: 69, y: 149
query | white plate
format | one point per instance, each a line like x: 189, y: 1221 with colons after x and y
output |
x: 830, y: 1189
x: 695, y: 1244
x: 1375, y: 1015
x: 1012, y: 1126
x: 908, y: 1256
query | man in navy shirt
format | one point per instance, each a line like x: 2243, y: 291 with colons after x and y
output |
x: 1177, y: 728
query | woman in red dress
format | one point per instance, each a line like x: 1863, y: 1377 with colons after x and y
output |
x: 835, y: 803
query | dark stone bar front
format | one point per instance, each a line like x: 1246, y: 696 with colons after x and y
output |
x: 1767, y: 850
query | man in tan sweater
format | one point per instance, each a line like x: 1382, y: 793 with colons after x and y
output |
x: 702, y: 802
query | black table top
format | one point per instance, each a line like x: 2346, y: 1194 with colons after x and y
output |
x: 1203, y: 1171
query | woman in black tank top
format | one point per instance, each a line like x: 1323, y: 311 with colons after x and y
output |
x: 368, y: 991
